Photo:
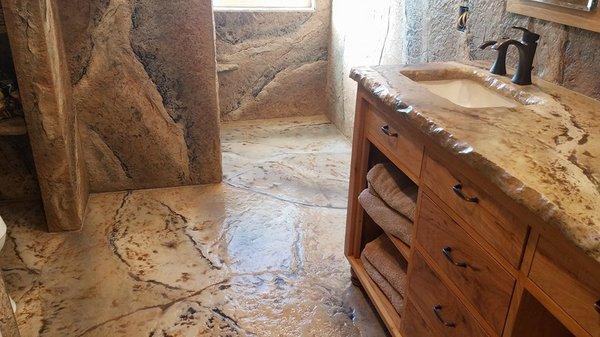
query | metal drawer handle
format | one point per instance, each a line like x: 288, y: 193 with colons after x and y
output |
x: 458, y: 190
x: 597, y: 306
x: 448, y: 254
x: 386, y: 129
x: 437, y: 310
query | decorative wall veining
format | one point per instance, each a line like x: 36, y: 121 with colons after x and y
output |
x: 426, y: 31
x: 144, y: 83
x: 272, y: 64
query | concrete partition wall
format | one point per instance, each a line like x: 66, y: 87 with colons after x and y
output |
x: 45, y: 91
x: 118, y: 95
x: 145, y: 88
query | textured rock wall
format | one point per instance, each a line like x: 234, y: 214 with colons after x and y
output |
x: 37, y: 45
x: 272, y: 64
x: 17, y: 171
x: 144, y: 83
x: 566, y: 55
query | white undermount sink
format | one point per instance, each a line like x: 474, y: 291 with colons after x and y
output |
x: 468, y: 93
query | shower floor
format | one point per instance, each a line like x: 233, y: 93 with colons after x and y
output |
x: 260, y: 254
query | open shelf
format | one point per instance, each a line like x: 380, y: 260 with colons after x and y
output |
x: 534, y: 320
x: 376, y: 156
x: 14, y: 126
x: 384, y: 307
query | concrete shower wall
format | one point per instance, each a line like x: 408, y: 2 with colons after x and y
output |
x: 272, y: 64
x: 144, y: 84
x: 362, y: 33
x: 568, y: 56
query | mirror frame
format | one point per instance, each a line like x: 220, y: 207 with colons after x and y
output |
x: 566, y: 16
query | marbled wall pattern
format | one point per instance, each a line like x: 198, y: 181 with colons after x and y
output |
x: 144, y: 82
x: 566, y: 55
x: 272, y: 64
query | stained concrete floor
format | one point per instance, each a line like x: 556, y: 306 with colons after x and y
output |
x: 260, y: 254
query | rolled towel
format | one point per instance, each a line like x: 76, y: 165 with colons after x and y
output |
x: 399, y: 192
x: 384, y: 256
x: 388, y: 219
x: 392, y: 295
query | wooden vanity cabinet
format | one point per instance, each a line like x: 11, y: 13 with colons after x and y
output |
x: 479, y: 265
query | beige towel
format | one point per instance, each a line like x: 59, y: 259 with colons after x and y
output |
x: 399, y: 192
x: 384, y: 256
x: 392, y: 295
x: 388, y: 219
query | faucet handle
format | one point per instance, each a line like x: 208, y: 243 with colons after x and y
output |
x: 528, y: 36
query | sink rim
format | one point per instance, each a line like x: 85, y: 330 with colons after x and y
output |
x: 501, y: 85
x: 477, y: 95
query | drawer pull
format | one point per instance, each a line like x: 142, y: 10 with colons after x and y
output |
x: 458, y: 190
x: 448, y: 254
x: 437, y: 310
x: 597, y: 306
x: 386, y: 129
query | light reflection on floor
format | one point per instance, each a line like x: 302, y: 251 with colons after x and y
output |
x: 260, y: 254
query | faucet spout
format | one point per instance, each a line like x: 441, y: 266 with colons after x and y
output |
x: 487, y: 44
x: 499, y: 67
x: 503, y: 45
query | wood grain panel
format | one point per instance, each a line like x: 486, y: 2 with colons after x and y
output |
x: 413, y: 324
x: 497, y: 227
x: 571, y: 279
x: 405, y: 152
x: 427, y: 291
x: 483, y: 281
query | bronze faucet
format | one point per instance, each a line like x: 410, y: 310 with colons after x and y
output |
x: 527, y: 48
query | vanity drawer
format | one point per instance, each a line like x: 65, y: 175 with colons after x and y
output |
x: 571, y: 279
x: 413, y: 324
x: 480, y: 278
x: 499, y: 228
x: 438, y: 304
x: 405, y: 151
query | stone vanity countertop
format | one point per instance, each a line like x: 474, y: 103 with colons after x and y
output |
x: 544, y: 153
